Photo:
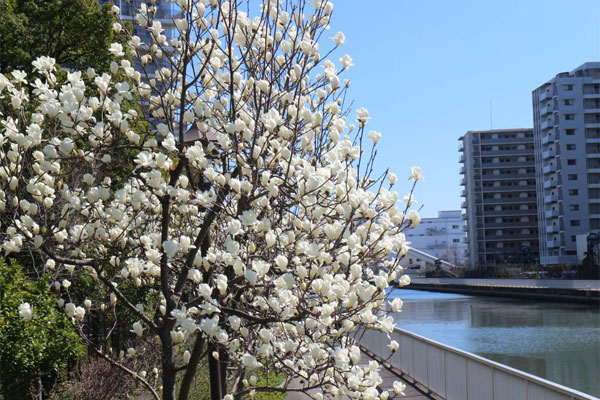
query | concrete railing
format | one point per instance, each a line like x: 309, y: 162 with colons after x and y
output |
x: 577, y: 284
x: 458, y: 375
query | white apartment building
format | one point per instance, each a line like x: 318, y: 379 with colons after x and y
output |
x: 566, y: 113
x: 443, y: 237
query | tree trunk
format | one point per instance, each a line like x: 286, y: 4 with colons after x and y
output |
x: 168, y: 367
x: 217, y: 389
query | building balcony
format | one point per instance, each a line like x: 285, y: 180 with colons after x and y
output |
x: 463, y: 182
x: 552, y: 229
x: 461, y: 146
x: 545, y: 96
x: 561, y: 260
x: 507, y: 238
x: 505, y: 177
x: 553, y: 244
x: 511, y: 213
x: 463, y: 170
x: 437, y: 245
x: 461, y: 159
x: 465, y: 228
x: 464, y: 216
x: 510, y: 140
x: 513, y: 152
x: 548, y: 169
x: 509, y: 200
x: 507, y: 164
x: 508, y: 225
x: 546, y: 110
x: 463, y: 204
x: 549, y: 183
x: 465, y: 240
x: 463, y: 193
x: 502, y: 189
x: 547, y: 139
x: 552, y: 213
x: 548, y: 154
x: 546, y: 124
x: 551, y: 198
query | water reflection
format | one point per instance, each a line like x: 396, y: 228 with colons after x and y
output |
x: 556, y: 341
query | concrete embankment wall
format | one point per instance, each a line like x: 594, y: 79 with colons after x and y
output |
x: 578, y: 291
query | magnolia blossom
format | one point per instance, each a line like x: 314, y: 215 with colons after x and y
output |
x: 25, y: 312
x: 258, y: 239
x: 415, y: 173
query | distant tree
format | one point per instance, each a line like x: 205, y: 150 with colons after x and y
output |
x: 36, y: 338
x: 77, y: 33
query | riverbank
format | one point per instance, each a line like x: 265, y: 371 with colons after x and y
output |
x: 575, y: 291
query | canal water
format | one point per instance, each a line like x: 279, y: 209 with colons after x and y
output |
x: 556, y: 341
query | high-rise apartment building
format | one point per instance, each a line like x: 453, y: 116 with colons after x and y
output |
x: 498, y: 169
x: 566, y: 113
x: 442, y: 237
x: 165, y: 12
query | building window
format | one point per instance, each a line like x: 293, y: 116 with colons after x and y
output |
x: 571, y: 161
x: 571, y: 146
x: 573, y: 207
x: 573, y: 238
x: 572, y: 177
x: 569, y: 132
x: 569, y: 117
x: 574, y: 222
x: 569, y: 102
x: 568, y: 88
x: 455, y: 240
x: 454, y: 226
x: 573, y: 192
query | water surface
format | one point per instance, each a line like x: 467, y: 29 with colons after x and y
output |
x: 556, y: 341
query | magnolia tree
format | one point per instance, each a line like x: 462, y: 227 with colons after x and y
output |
x: 263, y: 245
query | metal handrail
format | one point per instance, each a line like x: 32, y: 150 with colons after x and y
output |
x: 530, y: 382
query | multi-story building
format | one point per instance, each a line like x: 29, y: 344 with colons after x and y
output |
x: 566, y: 114
x: 165, y: 13
x: 498, y: 171
x: 443, y: 237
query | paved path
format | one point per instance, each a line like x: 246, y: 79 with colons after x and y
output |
x: 388, y: 376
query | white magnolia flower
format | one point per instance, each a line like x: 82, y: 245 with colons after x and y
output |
x: 362, y: 116
x: 396, y: 304
x: 414, y: 218
x: 339, y: 38
x: 399, y: 388
x: 170, y: 247
x: 25, y: 312
x: 409, y: 199
x: 374, y: 136
x: 138, y: 329
x: 392, y: 178
x: 415, y: 173
x: 346, y: 61
x: 393, y: 346
x: 404, y: 280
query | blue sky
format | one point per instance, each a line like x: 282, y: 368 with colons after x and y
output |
x: 427, y: 71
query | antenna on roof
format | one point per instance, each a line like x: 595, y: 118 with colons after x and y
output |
x: 491, y: 124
